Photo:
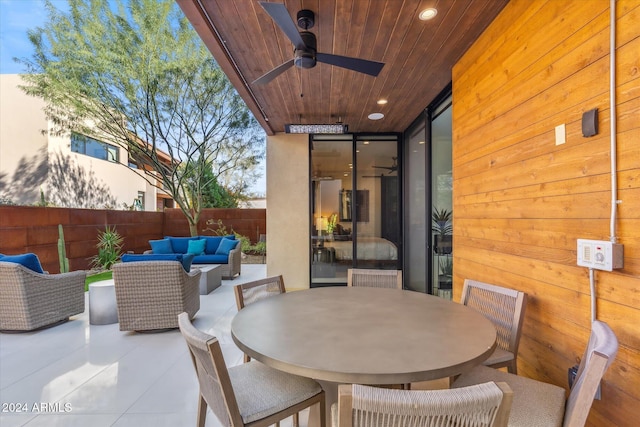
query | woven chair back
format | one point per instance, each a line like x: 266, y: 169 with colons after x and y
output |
x: 503, y: 306
x: 373, y: 278
x: 482, y: 405
x: 251, y: 292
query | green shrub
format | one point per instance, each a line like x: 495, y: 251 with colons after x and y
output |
x: 109, y: 249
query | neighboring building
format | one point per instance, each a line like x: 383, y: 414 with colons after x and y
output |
x: 73, y: 170
x: 254, y: 204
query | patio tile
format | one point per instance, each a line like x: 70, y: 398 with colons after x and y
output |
x: 73, y: 420
x: 15, y: 420
x: 114, y: 378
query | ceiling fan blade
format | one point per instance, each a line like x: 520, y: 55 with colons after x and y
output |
x: 270, y: 75
x: 280, y: 15
x: 391, y: 168
x: 371, y: 68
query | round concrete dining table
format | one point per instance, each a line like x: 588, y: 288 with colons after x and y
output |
x: 363, y: 335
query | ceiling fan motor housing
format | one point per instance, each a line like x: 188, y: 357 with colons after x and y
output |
x: 306, y: 19
x: 306, y: 58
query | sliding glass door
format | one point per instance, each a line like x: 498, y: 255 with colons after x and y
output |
x: 355, y: 207
x: 428, y: 207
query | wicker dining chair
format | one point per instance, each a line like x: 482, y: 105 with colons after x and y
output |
x: 250, y: 292
x: 250, y: 394
x: 483, y: 405
x: 539, y: 404
x: 374, y: 278
x: 505, y: 308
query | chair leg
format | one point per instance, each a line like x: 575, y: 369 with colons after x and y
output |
x: 202, y: 411
x: 296, y: 420
x: 513, y: 367
x: 246, y: 358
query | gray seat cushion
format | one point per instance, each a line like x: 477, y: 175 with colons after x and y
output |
x: 262, y: 391
x: 498, y: 356
x: 535, y: 404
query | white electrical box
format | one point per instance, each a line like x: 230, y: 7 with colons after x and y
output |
x: 600, y: 254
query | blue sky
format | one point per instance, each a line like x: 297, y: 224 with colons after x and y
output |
x: 16, y: 17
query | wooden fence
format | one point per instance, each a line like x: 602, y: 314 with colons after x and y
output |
x: 35, y: 229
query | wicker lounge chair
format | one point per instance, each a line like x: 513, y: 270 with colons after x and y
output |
x: 30, y: 300
x: 151, y: 294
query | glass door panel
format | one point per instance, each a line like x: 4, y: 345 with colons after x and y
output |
x: 376, y: 208
x: 355, y: 212
x: 331, y: 224
x: 442, y: 203
x: 416, y: 231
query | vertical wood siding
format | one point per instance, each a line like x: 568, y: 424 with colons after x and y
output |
x: 520, y: 201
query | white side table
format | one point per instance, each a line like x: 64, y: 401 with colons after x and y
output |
x: 210, y: 277
x: 103, y: 309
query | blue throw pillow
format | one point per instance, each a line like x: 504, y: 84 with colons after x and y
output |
x: 185, y: 259
x: 212, y: 244
x: 180, y: 245
x: 161, y: 246
x: 29, y: 261
x: 196, y: 247
x: 226, y: 246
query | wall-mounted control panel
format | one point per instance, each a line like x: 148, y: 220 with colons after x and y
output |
x: 600, y: 254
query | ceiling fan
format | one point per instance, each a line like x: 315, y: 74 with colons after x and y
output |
x: 392, y: 168
x: 305, y: 54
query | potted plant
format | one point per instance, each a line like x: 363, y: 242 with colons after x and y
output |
x: 445, y: 277
x: 442, y: 226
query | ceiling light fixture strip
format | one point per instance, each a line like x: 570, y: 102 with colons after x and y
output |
x: 317, y: 128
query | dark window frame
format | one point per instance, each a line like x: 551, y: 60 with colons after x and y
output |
x: 86, y: 145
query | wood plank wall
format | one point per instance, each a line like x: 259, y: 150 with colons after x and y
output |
x: 520, y: 201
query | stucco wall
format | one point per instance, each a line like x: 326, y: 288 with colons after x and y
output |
x: 31, y: 161
x: 288, y: 208
x: 23, y: 148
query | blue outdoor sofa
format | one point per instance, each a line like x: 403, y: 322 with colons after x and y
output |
x: 222, y: 250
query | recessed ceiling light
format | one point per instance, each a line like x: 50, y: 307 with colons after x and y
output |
x: 421, y: 142
x: 382, y: 101
x: 427, y: 14
x: 375, y: 116
x: 365, y: 142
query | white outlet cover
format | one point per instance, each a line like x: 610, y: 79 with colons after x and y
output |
x: 561, y: 133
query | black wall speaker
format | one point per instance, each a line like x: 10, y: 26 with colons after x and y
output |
x: 590, y: 123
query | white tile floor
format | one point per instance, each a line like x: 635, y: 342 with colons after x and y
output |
x: 77, y: 374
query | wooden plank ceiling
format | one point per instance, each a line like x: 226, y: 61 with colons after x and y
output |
x: 418, y: 56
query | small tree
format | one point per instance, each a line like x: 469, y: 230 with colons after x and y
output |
x: 141, y: 78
